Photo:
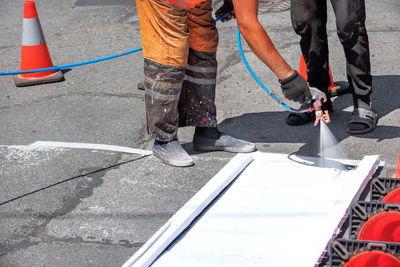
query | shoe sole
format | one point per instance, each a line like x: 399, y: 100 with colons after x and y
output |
x: 174, y: 163
x: 367, y: 130
x: 226, y: 149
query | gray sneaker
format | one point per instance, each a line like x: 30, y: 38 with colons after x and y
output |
x: 224, y: 143
x: 172, y: 153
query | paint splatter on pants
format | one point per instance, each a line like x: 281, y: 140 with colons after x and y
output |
x: 179, y: 47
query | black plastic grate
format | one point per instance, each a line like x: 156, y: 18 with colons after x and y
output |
x: 342, y: 250
x: 382, y: 186
x: 362, y: 211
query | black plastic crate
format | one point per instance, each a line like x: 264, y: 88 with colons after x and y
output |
x: 384, y: 189
x: 355, y: 253
x: 382, y: 218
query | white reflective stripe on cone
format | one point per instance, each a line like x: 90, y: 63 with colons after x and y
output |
x: 32, y: 33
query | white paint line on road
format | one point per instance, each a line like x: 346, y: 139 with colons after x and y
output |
x: 92, y: 146
x: 22, y: 156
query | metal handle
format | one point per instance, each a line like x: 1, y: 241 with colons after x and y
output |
x: 340, y: 249
x: 392, y: 206
x: 372, y: 245
x: 360, y: 211
x: 379, y: 186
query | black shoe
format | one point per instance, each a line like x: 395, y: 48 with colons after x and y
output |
x: 340, y: 89
x: 362, y: 121
x: 172, y: 153
x: 296, y: 119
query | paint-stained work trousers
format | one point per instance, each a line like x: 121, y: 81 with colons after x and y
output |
x: 179, y: 48
x: 309, y: 21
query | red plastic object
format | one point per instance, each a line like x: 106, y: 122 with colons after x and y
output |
x: 392, y: 197
x: 383, y: 227
x: 303, y: 73
x: 373, y: 259
x: 324, y: 116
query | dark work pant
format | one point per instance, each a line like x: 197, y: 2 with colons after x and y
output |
x: 309, y: 21
x: 197, y: 101
x: 180, y: 96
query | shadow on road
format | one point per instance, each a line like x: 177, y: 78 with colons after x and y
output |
x: 270, y: 127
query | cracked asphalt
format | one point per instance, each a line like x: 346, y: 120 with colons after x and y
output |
x: 76, y: 207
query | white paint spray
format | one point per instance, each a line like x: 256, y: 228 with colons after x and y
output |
x: 329, y: 147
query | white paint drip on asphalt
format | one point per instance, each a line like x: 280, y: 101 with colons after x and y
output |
x: 21, y: 157
x: 27, y: 153
x: 92, y: 146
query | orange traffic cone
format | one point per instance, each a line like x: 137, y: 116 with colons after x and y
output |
x: 34, y: 51
x: 303, y: 68
x: 397, y: 175
x: 333, y: 89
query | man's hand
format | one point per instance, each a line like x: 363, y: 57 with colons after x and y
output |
x: 317, y: 97
x: 295, y: 88
x: 225, y: 8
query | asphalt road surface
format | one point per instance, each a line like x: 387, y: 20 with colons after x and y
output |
x: 86, y: 207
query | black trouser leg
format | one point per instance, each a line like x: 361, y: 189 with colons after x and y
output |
x: 162, y: 91
x: 197, y: 101
x: 309, y: 21
x: 350, y: 22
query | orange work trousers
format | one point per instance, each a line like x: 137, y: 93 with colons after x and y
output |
x: 169, y: 31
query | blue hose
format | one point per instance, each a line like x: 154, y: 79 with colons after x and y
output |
x: 73, y: 65
x: 84, y: 62
x: 259, y: 81
x: 140, y: 48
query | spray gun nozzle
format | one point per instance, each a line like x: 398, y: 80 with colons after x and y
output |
x: 321, y: 115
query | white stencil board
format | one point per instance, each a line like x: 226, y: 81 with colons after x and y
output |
x: 279, y: 211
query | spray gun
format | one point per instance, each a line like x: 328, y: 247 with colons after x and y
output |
x: 321, y: 115
x: 318, y: 98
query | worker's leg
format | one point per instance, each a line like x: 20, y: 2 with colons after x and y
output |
x: 309, y: 22
x: 197, y: 104
x: 165, y: 49
x: 350, y: 21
